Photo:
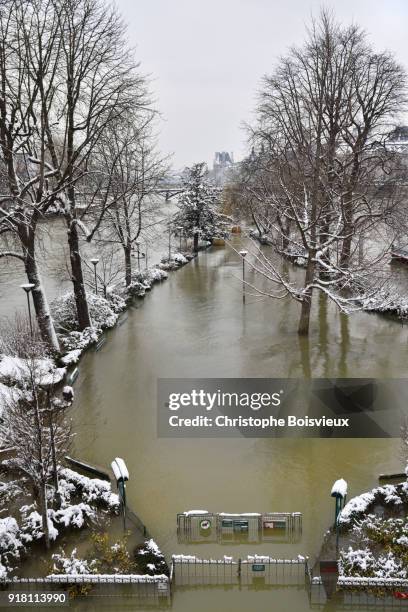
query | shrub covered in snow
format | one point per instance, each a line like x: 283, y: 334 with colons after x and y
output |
x: 103, y: 312
x: 385, y: 554
x: 106, y: 559
x: 379, y: 547
x: 81, y: 498
x: 143, y: 280
x: 150, y: 560
x: 11, y: 545
x: 76, y: 342
x: 72, y: 564
x: 176, y: 261
x: 77, y: 515
x: 91, y: 490
x: 18, y: 371
x: 149, y: 276
x: 116, y: 302
x: 31, y: 524
x: 391, y: 495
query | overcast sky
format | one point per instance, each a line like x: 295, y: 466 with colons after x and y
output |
x: 207, y: 57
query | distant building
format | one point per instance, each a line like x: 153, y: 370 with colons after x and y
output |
x: 223, y: 161
x: 398, y: 140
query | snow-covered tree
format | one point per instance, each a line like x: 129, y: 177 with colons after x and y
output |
x: 33, y: 423
x: 66, y: 75
x: 99, y: 83
x: 128, y: 148
x: 199, y: 203
x: 27, y: 74
x: 324, y: 178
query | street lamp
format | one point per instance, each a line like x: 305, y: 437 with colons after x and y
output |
x: 121, y: 474
x: 95, y: 262
x: 243, y: 254
x: 339, y: 492
x: 137, y: 244
x: 169, y: 242
x: 180, y: 230
x: 28, y: 287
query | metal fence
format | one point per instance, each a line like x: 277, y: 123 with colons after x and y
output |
x: 384, y: 583
x: 193, y: 571
x: 267, y: 571
x: 249, y: 527
x: 352, y: 593
x: 142, y: 589
x: 254, y: 570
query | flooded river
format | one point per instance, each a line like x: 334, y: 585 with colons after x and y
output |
x: 195, y: 325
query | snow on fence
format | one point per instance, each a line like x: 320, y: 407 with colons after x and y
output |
x: 354, y: 592
x: 354, y: 581
x: 141, y: 586
x: 89, y: 579
x: 203, y: 526
x: 188, y: 570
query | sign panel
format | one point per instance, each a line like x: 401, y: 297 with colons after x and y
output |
x: 258, y: 567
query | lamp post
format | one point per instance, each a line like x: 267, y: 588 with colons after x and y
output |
x: 339, y: 492
x: 169, y: 242
x: 243, y: 254
x: 95, y: 262
x: 180, y: 229
x: 28, y: 287
x: 121, y: 474
x: 137, y: 245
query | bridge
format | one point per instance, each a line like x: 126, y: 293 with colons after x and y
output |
x: 169, y: 192
x: 399, y: 253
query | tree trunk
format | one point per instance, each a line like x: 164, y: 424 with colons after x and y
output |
x: 285, y: 242
x: 345, y: 254
x: 44, y: 515
x: 128, y: 264
x: 84, y: 319
x: 360, y: 249
x: 42, y: 311
x: 195, y: 243
x: 304, y: 322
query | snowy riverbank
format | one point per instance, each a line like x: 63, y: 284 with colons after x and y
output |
x: 105, y: 311
x: 78, y: 502
x: 375, y: 525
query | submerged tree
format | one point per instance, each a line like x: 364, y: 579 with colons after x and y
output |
x: 199, y: 205
x: 322, y: 167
